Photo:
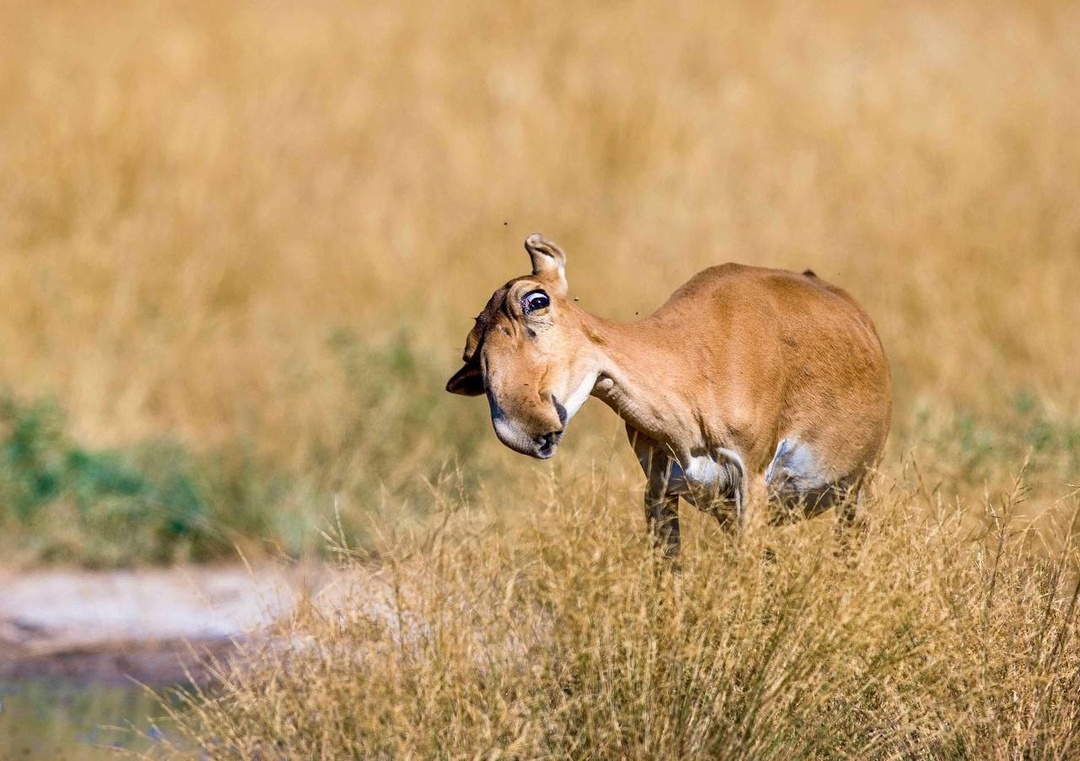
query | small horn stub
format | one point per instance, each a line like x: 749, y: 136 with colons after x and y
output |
x: 548, y: 261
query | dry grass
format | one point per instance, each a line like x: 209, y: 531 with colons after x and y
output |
x: 264, y: 229
x: 567, y: 639
x: 267, y: 227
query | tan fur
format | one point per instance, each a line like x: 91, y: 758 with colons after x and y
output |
x: 756, y: 370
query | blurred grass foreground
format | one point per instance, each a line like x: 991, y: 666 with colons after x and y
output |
x: 240, y: 245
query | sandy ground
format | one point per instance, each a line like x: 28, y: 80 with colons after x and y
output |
x: 151, y: 625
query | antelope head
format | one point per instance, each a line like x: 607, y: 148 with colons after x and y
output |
x: 529, y: 354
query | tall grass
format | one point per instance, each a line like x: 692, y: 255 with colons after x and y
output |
x: 263, y: 230
x: 567, y: 638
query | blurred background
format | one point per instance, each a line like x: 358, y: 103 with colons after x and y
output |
x: 241, y: 244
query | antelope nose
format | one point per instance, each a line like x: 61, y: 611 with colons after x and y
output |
x: 547, y: 443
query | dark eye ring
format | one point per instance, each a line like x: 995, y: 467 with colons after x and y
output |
x: 535, y: 300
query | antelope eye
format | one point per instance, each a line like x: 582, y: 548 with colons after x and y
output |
x: 534, y: 301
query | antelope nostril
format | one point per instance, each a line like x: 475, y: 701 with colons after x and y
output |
x: 549, y: 440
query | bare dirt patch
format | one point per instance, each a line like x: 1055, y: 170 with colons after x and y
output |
x: 152, y: 625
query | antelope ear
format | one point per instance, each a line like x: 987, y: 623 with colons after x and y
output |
x: 468, y: 381
x: 548, y: 262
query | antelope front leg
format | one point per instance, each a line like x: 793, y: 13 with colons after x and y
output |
x: 661, y: 508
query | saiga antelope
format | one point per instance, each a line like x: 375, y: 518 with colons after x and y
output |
x: 750, y: 389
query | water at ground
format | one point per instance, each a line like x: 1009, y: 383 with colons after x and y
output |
x: 66, y: 720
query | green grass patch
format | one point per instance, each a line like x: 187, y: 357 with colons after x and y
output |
x: 65, y: 502
x: 159, y: 501
x: 962, y: 451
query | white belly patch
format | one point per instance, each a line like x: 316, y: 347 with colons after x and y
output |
x: 795, y: 468
x: 796, y: 476
x: 700, y: 472
x: 705, y: 482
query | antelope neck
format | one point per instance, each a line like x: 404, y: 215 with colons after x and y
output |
x: 635, y: 375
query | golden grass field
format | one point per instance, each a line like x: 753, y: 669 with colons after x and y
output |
x: 260, y: 231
